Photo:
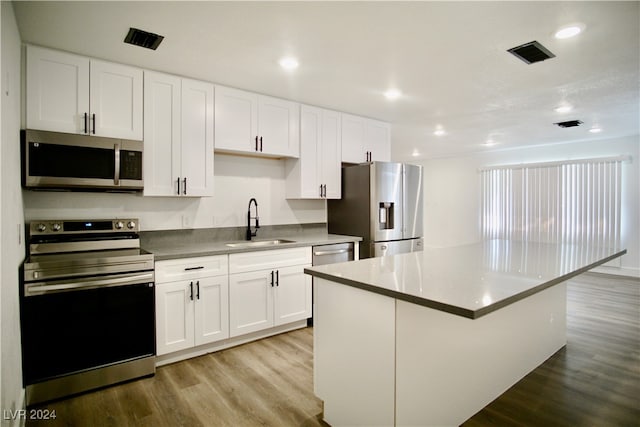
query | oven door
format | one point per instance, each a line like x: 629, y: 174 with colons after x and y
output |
x: 73, y: 326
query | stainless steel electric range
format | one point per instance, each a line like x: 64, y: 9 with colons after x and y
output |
x: 87, y: 307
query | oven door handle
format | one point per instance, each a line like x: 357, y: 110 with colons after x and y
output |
x: 44, y: 288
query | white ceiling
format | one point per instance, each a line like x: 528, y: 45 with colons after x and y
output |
x: 449, y: 60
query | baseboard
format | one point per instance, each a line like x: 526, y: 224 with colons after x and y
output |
x: 189, y: 353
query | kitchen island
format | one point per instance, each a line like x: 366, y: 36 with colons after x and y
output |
x: 430, y: 338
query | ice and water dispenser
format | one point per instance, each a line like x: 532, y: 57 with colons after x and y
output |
x: 385, y: 216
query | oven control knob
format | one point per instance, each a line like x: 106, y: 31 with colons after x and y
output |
x: 119, y: 225
x: 41, y: 227
x: 56, y: 227
x: 131, y: 224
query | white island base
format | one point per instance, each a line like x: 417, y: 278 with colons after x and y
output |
x: 381, y: 361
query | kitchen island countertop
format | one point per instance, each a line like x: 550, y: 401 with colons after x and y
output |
x: 471, y: 280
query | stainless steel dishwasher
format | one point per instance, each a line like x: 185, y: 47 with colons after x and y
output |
x: 331, y: 254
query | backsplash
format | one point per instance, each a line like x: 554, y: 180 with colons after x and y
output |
x: 226, y: 234
x: 237, y: 179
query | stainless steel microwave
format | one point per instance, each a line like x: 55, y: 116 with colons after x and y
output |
x: 81, y: 162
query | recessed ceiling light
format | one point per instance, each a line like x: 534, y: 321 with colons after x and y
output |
x: 289, y: 63
x: 439, y: 132
x: 563, y: 108
x: 489, y: 143
x: 392, y: 94
x: 569, y: 31
x: 415, y: 153
x: 595, y: 129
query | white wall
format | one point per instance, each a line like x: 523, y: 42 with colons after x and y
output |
x: 237, y: 179
x: 452, y: 191
x: 11, y: 214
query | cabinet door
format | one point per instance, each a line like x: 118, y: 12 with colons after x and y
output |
x: 250, y: 302
x: 197, y: 138
x: 174, y: 317
x: 292, y: 299
x: 116, y: 100
x: 353, y: 134
x: 378, y: 140
x: 211, y: 309
x: 162, y: 134
x: 236, y: 114
x: 57, y: 90
x: 310, y: 146
x: 331, y: 154
x: 278, y: 126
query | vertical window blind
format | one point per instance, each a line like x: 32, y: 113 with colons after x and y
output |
x: 575, y: 201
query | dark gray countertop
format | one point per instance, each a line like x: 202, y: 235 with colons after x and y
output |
x: 471, y: 280
x: 174, y: 244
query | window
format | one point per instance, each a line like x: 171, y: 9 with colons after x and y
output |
x: 576, y: 201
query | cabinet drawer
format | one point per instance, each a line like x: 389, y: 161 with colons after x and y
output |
x: 262, y: 260
x: 191, y: 268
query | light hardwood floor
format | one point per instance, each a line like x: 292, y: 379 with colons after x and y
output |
x: 594, y: 381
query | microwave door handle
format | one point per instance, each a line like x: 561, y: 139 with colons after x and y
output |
x: 116, y: 174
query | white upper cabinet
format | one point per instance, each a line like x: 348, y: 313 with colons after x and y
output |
x: 316, y: 174
x: 365, y: 140
x: 353, y: 139
x: 74, y: 94
x: 178, y: 122
x: 197, y: 138
x: 331, y: 154
x: 115, y: 100
x: 57, y: 91
x: 261, y: 125
x: 378, y: 140
x: 236, y: 114
x: 278, y: 126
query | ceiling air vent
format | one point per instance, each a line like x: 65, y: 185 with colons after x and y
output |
x: 569, y: 123
x: 143, y: 38
x: 531, y: 52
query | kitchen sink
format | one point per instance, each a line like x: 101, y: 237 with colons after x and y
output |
x: 259, y: 243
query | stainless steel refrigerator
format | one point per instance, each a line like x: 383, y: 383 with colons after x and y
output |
x: 382, y: 203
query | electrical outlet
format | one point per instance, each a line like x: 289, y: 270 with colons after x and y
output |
x: 186, y: 221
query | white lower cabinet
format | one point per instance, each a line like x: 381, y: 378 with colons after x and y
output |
x: 192, y: 300
x: 261, y: 298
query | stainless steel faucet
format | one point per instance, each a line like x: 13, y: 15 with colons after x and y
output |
x: 250, y: 233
